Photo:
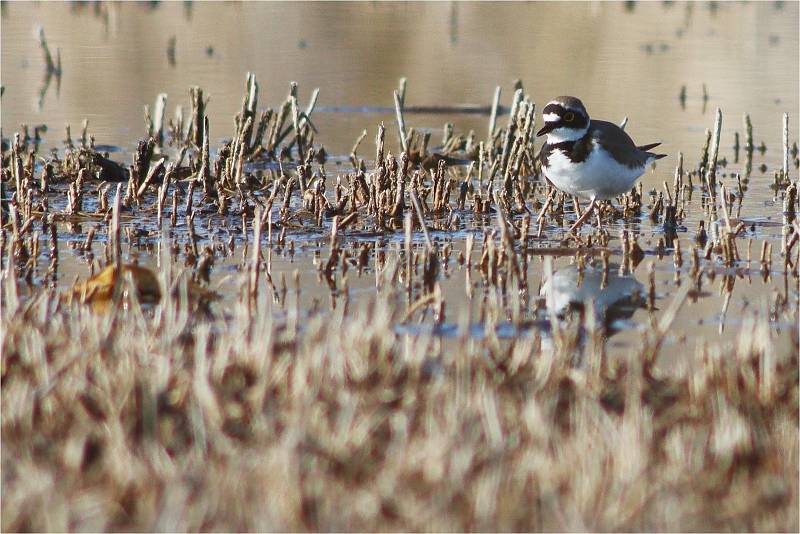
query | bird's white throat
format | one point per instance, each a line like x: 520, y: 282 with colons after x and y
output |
x: 561, y: 135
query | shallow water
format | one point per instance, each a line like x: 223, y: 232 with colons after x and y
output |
x: 620, y: 59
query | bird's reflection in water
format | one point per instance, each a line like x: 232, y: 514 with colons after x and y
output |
x: 615, y: 297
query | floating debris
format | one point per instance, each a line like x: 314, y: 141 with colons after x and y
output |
x: 100, y: 289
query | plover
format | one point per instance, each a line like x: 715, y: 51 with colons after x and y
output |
x: 591, y: 159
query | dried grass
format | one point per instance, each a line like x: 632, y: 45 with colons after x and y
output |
x: 158, y: 420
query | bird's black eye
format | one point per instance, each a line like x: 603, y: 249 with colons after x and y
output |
x: 569, y: 116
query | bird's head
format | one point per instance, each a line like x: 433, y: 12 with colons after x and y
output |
x: 565, y: 119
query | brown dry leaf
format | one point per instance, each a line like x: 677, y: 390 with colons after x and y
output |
x: 99, y: 289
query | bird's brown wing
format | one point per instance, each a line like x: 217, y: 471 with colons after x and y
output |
x: 619, y: 144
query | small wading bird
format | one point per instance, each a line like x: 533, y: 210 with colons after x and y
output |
x: 591, y: 159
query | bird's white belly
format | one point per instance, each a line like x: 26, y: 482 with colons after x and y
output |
x: 599, y: 176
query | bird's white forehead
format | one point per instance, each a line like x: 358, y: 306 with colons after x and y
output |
x: 551, y: 117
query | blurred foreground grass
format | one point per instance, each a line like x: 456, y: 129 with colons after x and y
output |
x: 161, y: 420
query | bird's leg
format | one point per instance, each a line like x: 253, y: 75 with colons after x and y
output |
x: 582, y: 218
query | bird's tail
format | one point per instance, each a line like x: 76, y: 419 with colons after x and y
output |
x: 645, y: 148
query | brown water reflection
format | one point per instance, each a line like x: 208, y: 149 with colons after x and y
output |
x: 619, y: 61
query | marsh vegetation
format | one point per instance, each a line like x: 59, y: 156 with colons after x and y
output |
x: 271, y: 322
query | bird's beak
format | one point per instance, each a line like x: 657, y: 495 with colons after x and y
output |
x: 548, y: 127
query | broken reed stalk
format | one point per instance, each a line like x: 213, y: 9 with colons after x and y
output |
x: 402, y: 85
x: 312, y: 103
x: 173, y: 216
x: 288, y: 109
x: 651, y: 286
x: 506, y: 239
x: 749, y: 146
x: 160, y: 205
x: 155, y: 171
x: 401, y: 123
x: 354, y: 150
x: 198, y: 116
x: 333, y: 257
x: 493, y: 116
x: 158, y: 118
x: 115, y: 233
x: 164, y: 189
x: 380, y: 137
x: 18, y: 171
x: 421, y: 219
x: 204, y: 174
x: 748, y: 128
x: 256, y: 260
x: 52, y: 270
x: 408, y: 225
x: 296, y: 119
x: 785, y: 147
x: 508, y: 139
x: 711, y: 171
x: 540, y: 218
x: 85, y: 133
x: 248, y: 111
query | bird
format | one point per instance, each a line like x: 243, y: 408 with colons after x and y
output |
x: 591, y: 159
x: 614, y: 296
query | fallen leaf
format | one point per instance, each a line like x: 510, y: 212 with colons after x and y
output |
x: 99, y: 289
